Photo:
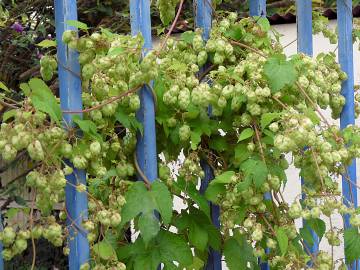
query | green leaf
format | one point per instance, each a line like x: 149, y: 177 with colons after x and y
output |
x: 44, y: 100
x: 188, y: 36
x: 246, y: 134
x: 137, y: 198
x: 318, y: 226
x: 197, y: 264
x: 88, y: 127
x: 236, y: 32
x: 213, y: 191
x: 352, y: 244
x: 224, y: 178
x: 128, y: 121
x: 12, y: 212
x: 283, y: 240
x: 238, y: 253
x: 47, y: 43
x: 77, y: 24
x: 198, y: 236
x: 279, y: 72
x: 25, y: 88
x: 115, y: 51
x: 241, y: 153
x: 149, y: 226
x: 256, y: 170
x: 263, y: 22
x: 8, y: 114
x: 104, y: 250
x: 195, y: 138
x: 306, y: 235
x: 312, y: 115
x: 163, y: 200
x: 174, y: 248
x: 267, y: 118
x: 4, y: 87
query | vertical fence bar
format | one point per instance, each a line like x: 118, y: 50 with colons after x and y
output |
x: 1, y: 245
x: 146, y: 145
x: 70, y: 99
x: 344, y: 15
x: 203, y: 17
x: 305, y: 45
x: 258, y: 8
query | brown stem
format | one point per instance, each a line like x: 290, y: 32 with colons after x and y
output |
x: 172, y: 26
x: 248, y: 47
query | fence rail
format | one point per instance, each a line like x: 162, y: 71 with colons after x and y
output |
x: 70, y: 95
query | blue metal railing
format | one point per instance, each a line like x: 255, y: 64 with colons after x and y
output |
x: 305, y: 45
x: 344, y: 13
x: 71, y: 100
x: 70, y: 95
x: 203, y: 17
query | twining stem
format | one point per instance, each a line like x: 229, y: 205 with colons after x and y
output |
x: 172, y: 26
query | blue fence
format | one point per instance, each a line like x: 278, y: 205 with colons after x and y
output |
x: 70, y: 95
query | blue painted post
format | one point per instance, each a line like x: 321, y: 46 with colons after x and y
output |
x: 203, y: 17
x: 1, y: 246
x: 70, y: 99
x: 344, y: 15
x: 146, y: 146
x: 258, y: 8
x: 305, y: 45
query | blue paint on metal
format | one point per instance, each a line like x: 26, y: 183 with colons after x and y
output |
x: 214, y: 259
x: 305, y: 45
x: 146, y: 145
x: 344, y: 15
x: 1, y: 245
x: 258, y: 8
x: 70, y: 99
x: 203, y: 17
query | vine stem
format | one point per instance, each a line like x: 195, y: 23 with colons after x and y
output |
x: 110, y: 100
x: 240, y: 44
x: 7, y: 104
x: 172, y: 26
x: 317, y: 167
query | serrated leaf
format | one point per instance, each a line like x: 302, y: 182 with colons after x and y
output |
x: 195, y: 138
x: 149, y: 226
x: 137, y: 201
x: 47, y: 43
x: 163, y: 200
x: 283, y: 240
x: 246, y: 134
x: 279, y: 72
x: 318, y: 226
x: 224, y: 178
x: 256, y: 170
x: 77, y: 24
x: 87, y: 126
x: 174, y: 248
x: 198, y: 236
x: 44, y: 100
x: 306, y: 235
x: 213, y: 191
x: 263, y: 22
x: 352, y: 244
x: 104, y: 250
x: 8, y: 114
x: 267, y: 118
x: 128, y: 121
x: 238, y: 253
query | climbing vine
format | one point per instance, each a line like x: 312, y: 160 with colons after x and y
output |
x: 234, y: 102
